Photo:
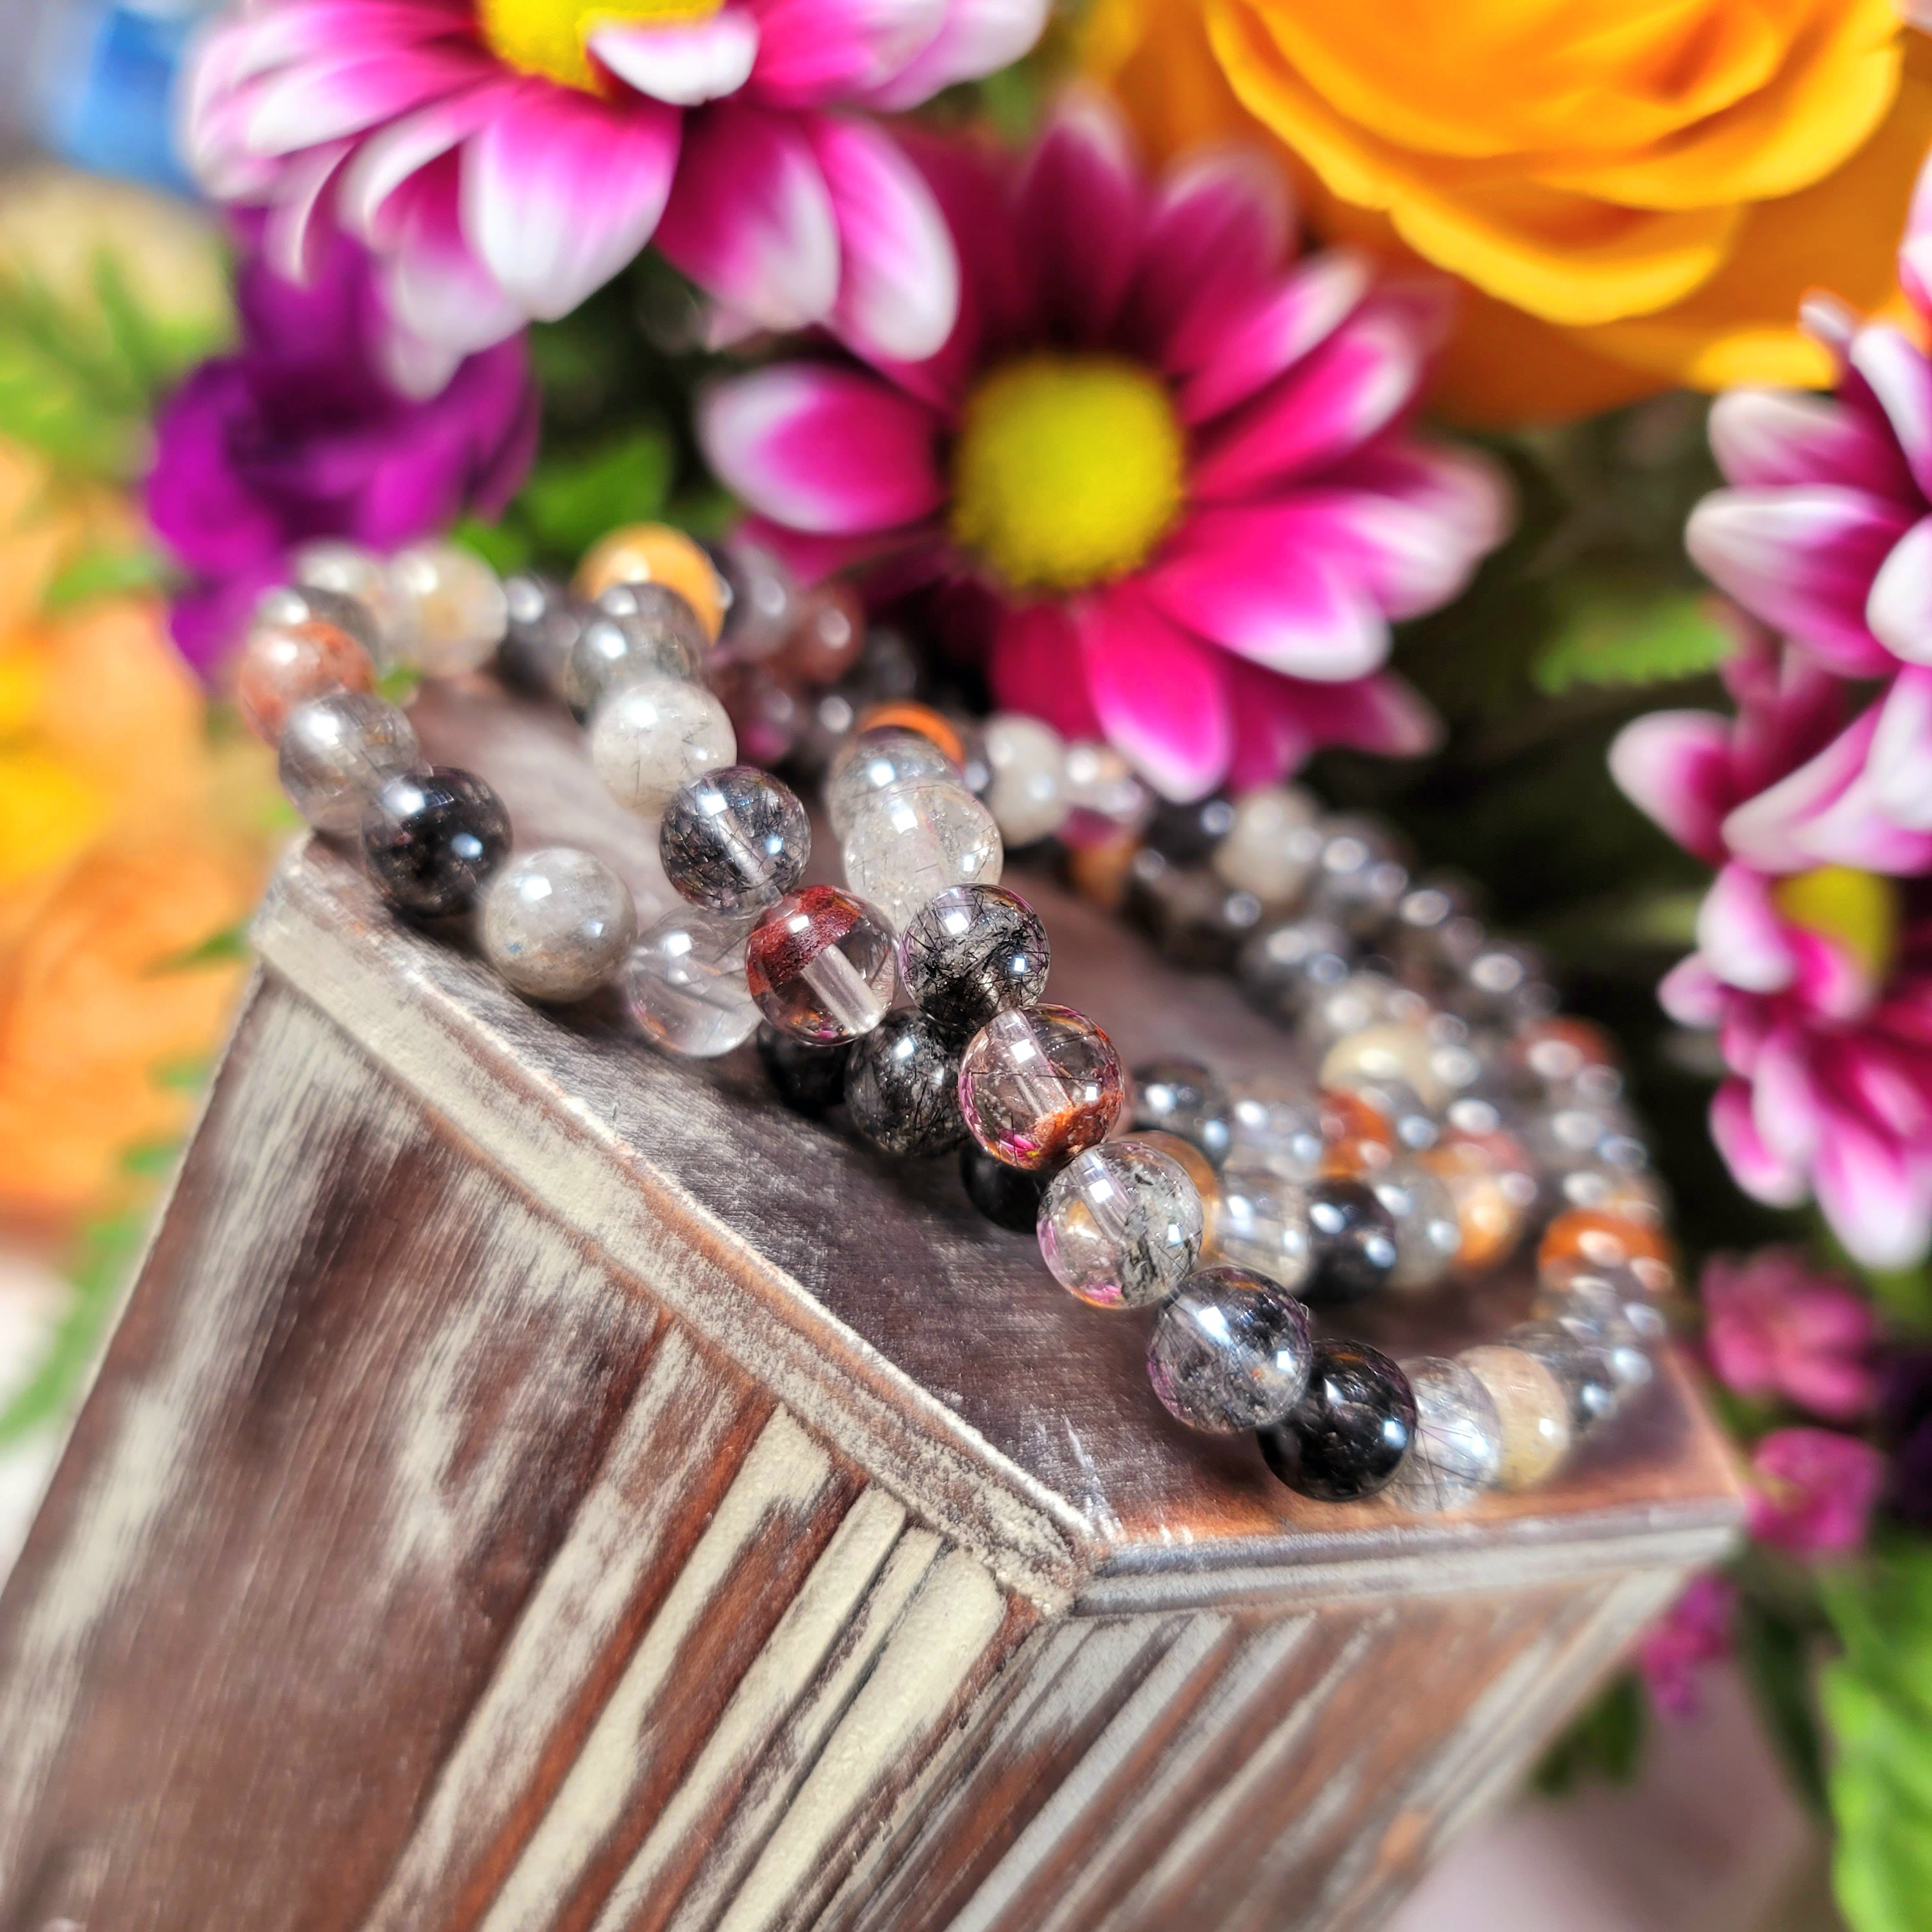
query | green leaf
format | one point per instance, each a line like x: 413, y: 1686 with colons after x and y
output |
x: 1606, y: 1741
x: 219, y: 948
x: 187, y: 1076
x: 573, y: 500
x: 399, y: 684
x: 504, y: 547
x: 1621, y: 636
x: 151, y: 1160
x: 106, y: 574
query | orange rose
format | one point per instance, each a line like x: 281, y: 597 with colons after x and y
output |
x: 1635, y: 194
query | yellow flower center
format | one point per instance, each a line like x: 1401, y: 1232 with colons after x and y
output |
x: 1859, y: 910
x: 551, y: 36
x: 1068, y: 470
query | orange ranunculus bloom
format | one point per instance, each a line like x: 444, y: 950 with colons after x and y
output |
x: 1636, y: 193
x: 127, y: 838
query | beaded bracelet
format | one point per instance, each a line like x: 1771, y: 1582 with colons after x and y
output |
x: 1295, y: 1197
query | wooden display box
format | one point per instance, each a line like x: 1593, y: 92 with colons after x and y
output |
x: 539, y: 1484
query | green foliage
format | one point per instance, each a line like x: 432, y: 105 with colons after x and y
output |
x: 1606, y: 1741
x: 1626, y: 635
x: 219, y: 948
x: 106, y: 574
x: 1777, y: 1648
x: 574, y: 498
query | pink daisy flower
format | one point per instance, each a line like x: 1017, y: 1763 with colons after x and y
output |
x: 1773, y: 1325
x: 1692, y: 1635
x: 1172, y: 467
x: 505, y: 158
x: 1814, y: 1492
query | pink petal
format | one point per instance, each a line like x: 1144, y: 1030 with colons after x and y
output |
x: 1899, y: 607
x: 918, y: 549
x: 436, y: 288
x: 327, y: 97
x: 1037, y: 667
x: 1675, y: 767
x: 1289, y: 607
x: 814, y: 52
x: 1382, y: 714
x: 388, y: 157
x: 1352, y: 386
x: 285, y: 240
x: 1784, y: 1102
x: 683, y: 63
x: 1466, y: 494
x: 1161, y: 697
x: 1899, y: 764
x: 1831, y: 982
x: 1759, y: 1172
x: 1803, y: 561
x: 1691, y: 994
x: 827, y: 451
x: 1781, y: 438
x: 1271, y: 331
x: 1079, y: 216
x: 560, y: 191
x: 977, y: 38
x: 898, y: 289
x: 750, y: 219
x: 1896, y: 372
x: 1875, y: 1203
x: 1740, y: 933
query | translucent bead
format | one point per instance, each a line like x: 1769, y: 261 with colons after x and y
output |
x: 1436, y: 935
x: 1186, y: 835
x: 1351, y: 1238
x: 650, y: 740
x: 1182, y: 1097
x: 1038, y: 1084
x: 902, y: 714
x: 655, y: 553
x: 303, y: 604
x: 1275, y: 1123
x: 337, y: 751
x: 1385, y: 1052
x: 1105, y: 795
x: 810, y: 1079
x: 1600, y: 1240
x: 1609, y: 1304
x: 820, y: 965
x: 685, y: 984
x: 1458, y: 1450
x: 544, y: 622
x: 735, y: 840
x: 459, y: 611
x: 970, y: 953
x: 1195, y: 918
x: 1231, y: 1351
x: 1428, y: 1233
x: 764, y: 601
x: 1272, y: 847
x: 1009, y: 1197
x: 283, y: 665
x: 1503, y: 984
x: 1360, y: 879
x: 1334, y: 1013
x: 1346, y: 1437
x: 1027, y: 791
x: 1584, y: 1368
x: 1197, y: 1167
x: 1493, y: 1191
x: 1119, y: 1226
x: 906, y: 846
x: 556, y: 923
x: 875, y: 762
x: 1282, y: 968
x: 1531, y: 1407
x: 1262, y: 1221
x: 902, y: 1088
x: 431, y: 837
x: 657, y: 635
x: 351, y: 570
x: 827, y: 637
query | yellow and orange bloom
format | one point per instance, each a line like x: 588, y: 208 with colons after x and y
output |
x: 1635, y: 193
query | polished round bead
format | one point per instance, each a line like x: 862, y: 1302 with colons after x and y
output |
x: 1276, y: 1124
x: 650, y: 740
x: 1532, y: 1406
x: 337, y: 751
x: 283, y: 665
x: 1282, y: 968
x: 1428, y: 1231
x: 1458, y: 1450
x: 1107, y: 796
x: 543, y: 622
x: 684, y: 982
x: 1360, y: 879
x: 763, y: 602
x: 1352, y: 1239
x: 1119, y: 1225
x: 1600, y: 1240
x: 828, y: 636
x: 1009, y: 1197
x: 1346, y: 1437
x: 1273, y: 846
x: 1488, y: 1178
x: 306, y: 603
x: 876, y: 761
x: 903, y: 714
x: 459, y: 611
x: 1185, y: 835
x: 820, y: 965
x: 809, y: 1078
x: 1585, y: 1368
x: 1026, y: 789
x: 1334, y: 1014
x: 638, y: 554
x: 1038, y: 1084
x: 351, y: 570
x: 556, y: 923
x: 907, y: 845
x: 972, y: 951
x: 1230, y: 1351
x: 1503, y: 984
x: 658, y: 637
x: 1182, y: 1097
x: 1382, y: 1053
x: 431, y: 837
x: 1261, y: 1221
x: 902, y: 1087
x: 734, y: 840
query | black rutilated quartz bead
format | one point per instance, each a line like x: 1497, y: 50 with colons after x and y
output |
x: 1347, y: 1435
x: 808, y: 1078
x: 1009, y: 1197
x: 902, y: 1087
x: 972, y: 951
x: 431, y: 839
x: 1352, y: 1243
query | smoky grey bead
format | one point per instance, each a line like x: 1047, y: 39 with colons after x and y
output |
x: 1457, y: 1449
x: 1282, y: 968
x: 734, y: 840
x: 556, y: 923
x: 970, y: 953
x: 545, y: 621
x: 1360, y: 879
x: 1183, y: 1097
x: 303, y: 603
x: 902, y: 1087
x: 1230, y: 1351
x: 640, y: 630
x: 1586, y: 1368
x: 337, y: 751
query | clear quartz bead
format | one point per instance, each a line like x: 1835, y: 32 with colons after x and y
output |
x: 650, y: 740
x: 1384, y: 1052
x: 545, y: 621
x: 1275, y: 1123
x: 685, y: 986
x: 820, y: 964
x: 337, y: 751
x: 1584, y: 1367
x: 1284, y: 968
x: 907, y: 845
x: 735, y: 840
x: 459, y: 610
x: 1183, y: 1098
x: 1037, y: 1084
x: 1230, y: 1351
x: 1027, y: 761
x: 1262, y: 1223
x: 1427, y: 1232
x: 878, y: 761
x: 1272, y: 847
x: 652, y: 633
x: 1532, y: 1406
x: 556, y: 923
x: 1456, y: 1452
x: 1119, y: 1225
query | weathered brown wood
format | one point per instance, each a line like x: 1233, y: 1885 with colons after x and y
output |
x: 538, y: 1485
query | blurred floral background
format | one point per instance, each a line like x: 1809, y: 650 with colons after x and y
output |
x: 1595, y: 355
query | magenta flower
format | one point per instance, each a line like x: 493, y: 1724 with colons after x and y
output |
x: 1814, y: 966
x: 1169, y: 466
x: 302, y: 433
x: 506, y: 158
x: 1814, y: 1491
x: 1692, y: 1635
x: 1774, y: 1326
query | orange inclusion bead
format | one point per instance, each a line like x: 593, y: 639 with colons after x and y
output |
x: 656, y: 554
x: 1559, y: 1049
x: 284, y: 665
x: 905, y: 715
x: 825, y: 642
x: 1489, y: 1181
x: 1601, y: 1239
x: 1100, y: 873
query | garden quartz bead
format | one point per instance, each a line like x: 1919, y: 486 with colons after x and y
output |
x: 655, y: 635
x: 972, y: 951
x: 1346, y: 1437
x: 1027, y: 788
x: 544, y: 622
x: 880, y: 760
x: 906, y: 846
x: 458, y: 610
x: 1230, y: 1351
x: 1119, y: 1225
x: 283, y: 665
x: 556, y: 923
x: 1458, y: 1450
x: 1182, y: 1097
x: 684, y: 982
x: 820, y: 966
x: 651, y: 739
x: 337, y: 751
x: 902, y: 1088
x: 301, y: 604
x: 734, y: 840
x: 431, y: 838
x: 1583, y: 1366
x: 1428, y: 1231
x: 350, y: 571
x: 1275, y: 1123
x: 1532, y: 1406
x: 1038, y: 1085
